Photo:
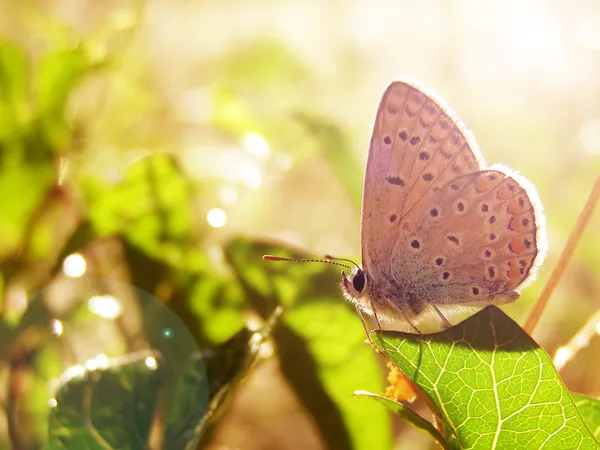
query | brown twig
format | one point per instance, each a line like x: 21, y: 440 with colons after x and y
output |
x: 563, y: 259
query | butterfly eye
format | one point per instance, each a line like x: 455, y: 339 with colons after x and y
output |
x: 358, y: 282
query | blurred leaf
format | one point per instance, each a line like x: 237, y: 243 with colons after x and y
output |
x: 56, y: 76
x: 81, y: 236
x: 321, y: 343
x: 111, y: 407
x: 212, y: 376
x: 216, y: 302
x: 262, y: 63
x: 335, y: 146
x: 254, y: 84
x: 150, y: 206
x: 13, y: 92
x: 491, y: 383
x: 31, y: 182
x: 589, y: 408
x: 409, y: 416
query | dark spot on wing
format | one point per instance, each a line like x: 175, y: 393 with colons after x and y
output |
x: 453, y: 239
x: 396, y: 181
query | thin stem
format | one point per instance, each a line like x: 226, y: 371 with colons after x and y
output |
x: 563, y: 259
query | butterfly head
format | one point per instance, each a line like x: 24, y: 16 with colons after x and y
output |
x: 354, y: 286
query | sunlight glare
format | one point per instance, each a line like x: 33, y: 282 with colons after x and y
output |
x: 589, y: 135
x: 194, y: 106
x: 151, y: 363
x: 105, y: 306
x: 74, y: 265
x: 561, y: 357
x: 57, y: 327
x: 588, y: 33
x: 253, y: 177
x: 216, y: 218
x: 228, y: 194
x: 256, y: 145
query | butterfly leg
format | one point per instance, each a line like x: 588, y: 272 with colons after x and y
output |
x: 362, y: 320
x: 375, y: 314
x: 446, y: 322
x: 412, y: 325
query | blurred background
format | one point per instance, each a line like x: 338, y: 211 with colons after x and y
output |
x: 166, y: 145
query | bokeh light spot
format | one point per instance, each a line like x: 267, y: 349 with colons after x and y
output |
x: 74, y: 265
x: 57, y: 327
x: 151, y: 363
x: 105, y: 306
x: 561, y: 357
x: 256, y: 145
x: 216, y: 218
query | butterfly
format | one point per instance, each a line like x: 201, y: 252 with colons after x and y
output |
x: 439, y: 229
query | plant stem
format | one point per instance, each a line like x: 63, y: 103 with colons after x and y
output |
x: 563, y: 259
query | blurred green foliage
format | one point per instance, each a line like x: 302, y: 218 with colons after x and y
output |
x: 106, y: 155
x: 146, y: 229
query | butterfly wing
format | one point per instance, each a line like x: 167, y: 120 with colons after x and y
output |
x: 480, y: 237
x: 418, y: 147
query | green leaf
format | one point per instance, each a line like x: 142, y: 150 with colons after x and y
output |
x: 321, y: 343
x: 14, y: 78
x: 589, y: 408
x: 212, y: 376
x: 57, y: 75
x: 335, y: 146
x: 112, y: 407
x: 491, y: 383
x: 409, y: 416
x: 118, y: 404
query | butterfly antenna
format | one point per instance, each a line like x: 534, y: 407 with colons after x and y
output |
x: 327, y: 260
x: 333, y: 258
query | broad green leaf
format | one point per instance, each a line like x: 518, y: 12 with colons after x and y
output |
x: 589, y: 408
x: 110, y: 407
x: 409, y: 416
x: 491, y: 383
x: 119, y: 403
x: 321, y: 343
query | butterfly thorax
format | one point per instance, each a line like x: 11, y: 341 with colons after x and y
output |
x: 367, y: 293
